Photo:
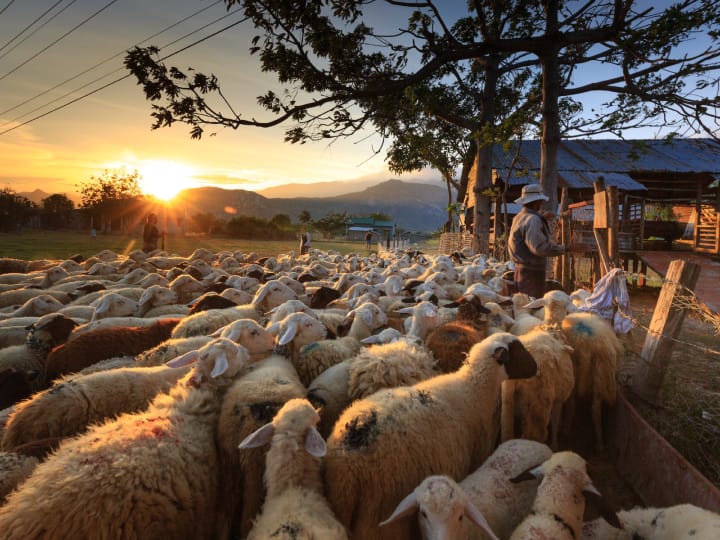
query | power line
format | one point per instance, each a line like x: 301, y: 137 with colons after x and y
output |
x: 37, y: 19
x: 31, y: 34
x: 58, y: 39
x: 10, y: 3
x: 48, y: 90
x: 75, y: 100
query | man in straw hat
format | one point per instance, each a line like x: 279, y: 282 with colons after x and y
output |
x: 529, y: 242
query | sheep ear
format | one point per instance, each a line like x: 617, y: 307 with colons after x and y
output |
x: 314, y: 443
x: 274, y: 328
x: 260, y: 296
x: 594, y: 499
x: 370, y: 339
x: 478, y: 519
x: 220, y: 366
x: 532, y: 473
x: 233, y: 333
x: 259, y: 437
x: 407, y: 506
x: 535, y: 304
x: 183, y: 360
x: 146, y: 296
x: 405, y: 310
x: 289, y: 334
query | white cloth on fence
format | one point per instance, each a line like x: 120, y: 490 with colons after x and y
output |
x: 611, y: 301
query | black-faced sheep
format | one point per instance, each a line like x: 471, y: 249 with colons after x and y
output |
x: 385, y: 445
x: 294, y: 484
x: 145, y: 475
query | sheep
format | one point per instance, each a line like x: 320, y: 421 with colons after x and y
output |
x: 557, y: 511
x: 187, y: 288
x: 680, y: 522
x: 149, y: 475
x: 295, y: 331
x: 382, y: 446
x: 328, y: 392
x: 366, y: 318
x: 169, y: 349
x: 37, y: 306
x: 537, y: 402
x: 154, y: 296
x: 73, y: 403
x: 424, y: 317
x: 205, y: 323
x: 486, y: 497
x: 258, y: 341
x: 295, y: 505
x: 251, y: 402
x: 14, y: 469
x: 211, y: 301
x: 451, y: 342
x: 399, y: 363
x: 524, y: 319
x: 96, y: 345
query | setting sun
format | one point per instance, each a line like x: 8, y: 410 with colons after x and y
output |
x: 164, y: 179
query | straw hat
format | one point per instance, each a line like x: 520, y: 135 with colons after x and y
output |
x: 531, y: 193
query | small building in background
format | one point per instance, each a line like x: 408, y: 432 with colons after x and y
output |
x: 357, y: 228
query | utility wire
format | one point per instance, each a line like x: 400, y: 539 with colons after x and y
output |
x: 10, y: 3
x: 47, y: 91
x: 31, y: 34
x: 57, y: 40
x: 59, y: 107
x: 37, y: 19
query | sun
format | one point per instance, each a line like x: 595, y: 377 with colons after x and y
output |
x: 164, y: 179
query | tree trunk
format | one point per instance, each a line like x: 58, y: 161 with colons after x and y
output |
x: 550, y: 140
x: 483, y: 171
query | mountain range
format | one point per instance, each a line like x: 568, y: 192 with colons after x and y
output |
x: 414, y: 206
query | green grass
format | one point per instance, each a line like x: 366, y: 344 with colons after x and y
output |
x: 34, y: 245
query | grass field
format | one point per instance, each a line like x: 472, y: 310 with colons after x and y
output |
x: 34, y: 245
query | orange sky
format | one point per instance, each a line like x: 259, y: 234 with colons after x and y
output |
x: 111, y: 128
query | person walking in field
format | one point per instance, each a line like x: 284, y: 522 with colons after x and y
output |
x: 368, y: 239
x: 304, y: 241
x: 151, y: 233
x: 529, y: 242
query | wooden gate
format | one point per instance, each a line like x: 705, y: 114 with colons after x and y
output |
x: 707, y: 230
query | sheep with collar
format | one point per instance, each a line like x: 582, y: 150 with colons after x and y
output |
x: 493, y: 504
x: 436, y: 426
x: 251, y: 402
x: 557, y: 511
x: 149, y: 475
x: 294, y: 506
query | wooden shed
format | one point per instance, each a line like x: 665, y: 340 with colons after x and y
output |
x: 649, y: 174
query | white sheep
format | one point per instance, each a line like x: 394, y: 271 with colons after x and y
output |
x: 251, y: 402
x: 154, y: 296
x: 205, y: 323
x: 423, y: 318
x: 386, y: 444
x: 680, y: 522
x: 294, y: 506
x: 537, y: 402
x: 557, y: 511
x: 486, y: 497
x: 37, y: 306
x: 149, y: 475
x: 525, y: 319
x: 75, y: 402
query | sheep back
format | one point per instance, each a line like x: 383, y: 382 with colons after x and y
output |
x: 451, y: 342
x: 14, y: 469
x: 316, y: 357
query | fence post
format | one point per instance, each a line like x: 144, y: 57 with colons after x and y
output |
x: 665, y: 325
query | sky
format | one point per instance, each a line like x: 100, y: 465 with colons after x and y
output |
x: 77, y: 46
x: 110, y: 129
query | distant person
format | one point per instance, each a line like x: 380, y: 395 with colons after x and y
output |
x: 368, y: 239
x: 150, y: 233
x: 304, y: 241
x: 529, y: 242
x: 93, y: 233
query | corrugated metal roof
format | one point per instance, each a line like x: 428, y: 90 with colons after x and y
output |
x: 580, y: 162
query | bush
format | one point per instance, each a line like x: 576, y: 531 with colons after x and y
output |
x: 250, y: 227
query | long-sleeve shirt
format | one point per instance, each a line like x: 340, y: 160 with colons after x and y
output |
x: 529, y: 241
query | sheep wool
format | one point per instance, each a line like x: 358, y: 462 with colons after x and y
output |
x: 146, y: 475
x: 14, y: 469
x: 295, y: 506
x: 386, y: 444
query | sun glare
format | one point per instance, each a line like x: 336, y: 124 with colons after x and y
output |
x: 164, y: 179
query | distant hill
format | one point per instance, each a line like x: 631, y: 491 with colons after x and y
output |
x: 330, y: 189
x: 38, y: 195
x: 413, y: 206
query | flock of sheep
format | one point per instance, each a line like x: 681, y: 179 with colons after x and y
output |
x: 226, y: 396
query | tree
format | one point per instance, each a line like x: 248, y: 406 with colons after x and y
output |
x: 57, y: 210
x: 304, y: 217
x: 281, y: 222
x: 341, y: 76
x: 15, y: 210
x: 113, y: 200
x: 332, y: 223
x: 379, y: 216
x: 204, y: 222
